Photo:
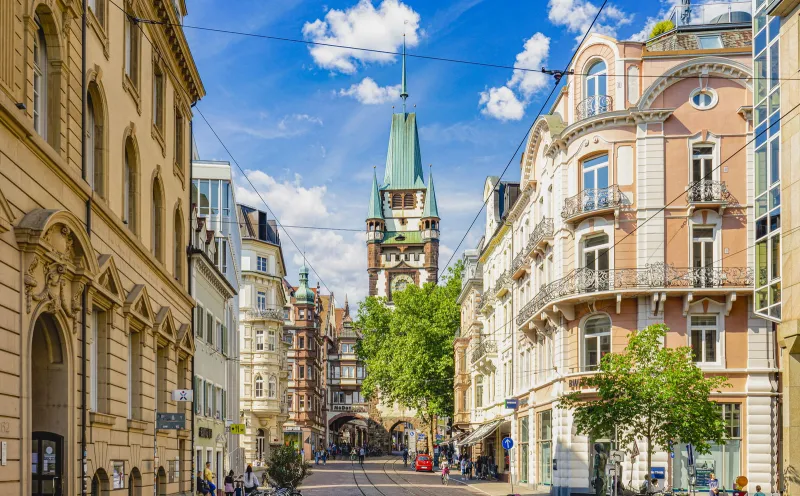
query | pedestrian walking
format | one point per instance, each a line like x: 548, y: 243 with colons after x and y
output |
x: 361, y: 454
x: 208, y: 475
x: 250, y: 480
x: 316, y: 457
x: 229, y: 484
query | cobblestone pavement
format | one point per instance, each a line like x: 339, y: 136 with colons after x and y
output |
x: 383, y: 476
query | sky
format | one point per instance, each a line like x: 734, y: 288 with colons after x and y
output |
x: 307, y: 124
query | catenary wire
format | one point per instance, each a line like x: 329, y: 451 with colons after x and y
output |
x: 277, y: 221
x: 287, y: 226
x: 522, y: 142
x: 419, y: 56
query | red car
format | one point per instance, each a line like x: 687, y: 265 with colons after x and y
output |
x: 423, y: 463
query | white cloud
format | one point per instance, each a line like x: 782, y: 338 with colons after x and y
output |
x: 368, y: 92
x: 503, y: 103
x: 362, y: 26
x: 339, y: 257
x: 287, y: 127
x: 577, y: 15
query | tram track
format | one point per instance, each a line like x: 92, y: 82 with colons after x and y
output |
x: 364, y: 471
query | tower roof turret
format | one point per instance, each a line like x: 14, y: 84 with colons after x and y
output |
x: 304, y: 294
x: 431, y: 209
x: 375, y: 208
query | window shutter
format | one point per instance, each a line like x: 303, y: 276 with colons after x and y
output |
x: 197, y: 403
x: 224, y: 404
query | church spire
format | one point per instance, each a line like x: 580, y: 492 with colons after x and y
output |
x: 431, y: 209
x: 375, y: 209
x: 403, y: 89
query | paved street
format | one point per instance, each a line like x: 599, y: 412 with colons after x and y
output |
x: 387, y: 476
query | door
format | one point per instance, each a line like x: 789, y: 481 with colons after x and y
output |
x: 703, y: 257
x: 46, y: 463
x: 596, y: 90
x: 702, y: 165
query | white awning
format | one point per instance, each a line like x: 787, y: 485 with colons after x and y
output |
x: 480, y: 433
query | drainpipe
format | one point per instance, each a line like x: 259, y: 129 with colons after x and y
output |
x: 89, y: 233
x: 191, y: 293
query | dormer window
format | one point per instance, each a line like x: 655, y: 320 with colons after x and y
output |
x: 709, y: 42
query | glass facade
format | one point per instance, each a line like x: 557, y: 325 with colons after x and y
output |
x: 767, y: 114
x: 212, y: 197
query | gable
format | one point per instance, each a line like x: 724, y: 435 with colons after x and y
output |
x: 165, y: 325
x: 137, y: 305
x: 108, y: 281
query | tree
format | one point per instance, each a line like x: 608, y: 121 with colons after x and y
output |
x: 408, y: 349
x: 651, y: 392
x: 662, y: 27
x: 287, y: 468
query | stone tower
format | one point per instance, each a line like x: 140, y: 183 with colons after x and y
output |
x: 403, y: 218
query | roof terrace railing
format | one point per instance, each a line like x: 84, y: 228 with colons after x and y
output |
x: 733, y: 12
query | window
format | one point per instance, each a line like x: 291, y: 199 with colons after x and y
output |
x: 134, y: 375
x: 177, y: 241
x: 158, y: 98
x: 408, y: 200
x: 704, y: 338
x: 93, y: 354
x: 179, y: 146
x: 40, y: 77
x: 702, y: 173
x: 158, y: 220
x: 226, y: 199
x: 703, y: 98
x: 198, y: 400
x: 261, y: 264
x: 91, y: 141
x: 302, y: 399
x: 709, y: 42
x: 161, y: 379
x: 198, y: 321
x: 259, y: 340
x: 597, y: 100
x: 290, y: 370
x: 595, y: 262
x: 301, y: 314
x: 98, y: 8
x: 272, y: 388
x: 132, y: 42
x: 261, y: 300
x: 130, y: 188
x: 221, y: 254
x: 703, y: 256
x: 301, y: 372
x: 210, y: 326
x: 271, y: 340
x: 595, y: 177
x: 596, y: 341
x: 397, y: 200
x: 259, y: 386
x: 545, y: 421
x: 301, y: 343
x: 479, y: 391
x: 524, y: 436
x: 290, y: 401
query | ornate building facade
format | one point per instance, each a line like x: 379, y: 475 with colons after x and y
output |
x: 95, y: 313
x: 635, y: 206
x: 263, y: 353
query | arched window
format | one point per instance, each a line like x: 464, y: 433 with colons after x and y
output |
x: 130, y: 191
x: 408, y: 200
x: 272, y: 388
x: 479, y: 391
x: 397, y: 200
x: 95, y: 140
x: 40, y: 77
x: 178, y: 246
x: 260, y: 444
x: 595, y: 262
x: 597, y: 89
x: 259, y: 387
x: 596, y: 340
x: 158, y: 220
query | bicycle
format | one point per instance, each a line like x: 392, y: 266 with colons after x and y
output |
x: 445, y: 476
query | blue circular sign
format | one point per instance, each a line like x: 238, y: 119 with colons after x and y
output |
x: 507, y: 443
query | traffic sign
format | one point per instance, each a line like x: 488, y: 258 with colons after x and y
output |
x: 237, y: 429
x: 507, y: 443
x: 512, y: 403
x: 174, y: 421
x: 412, y: 434
x: 182, y: 395
x: 617, y: 456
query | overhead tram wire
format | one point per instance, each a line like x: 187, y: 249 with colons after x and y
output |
x: 525, y: 137
x: 419, y: 56
x: 314, y: 228
x: 277, y: 221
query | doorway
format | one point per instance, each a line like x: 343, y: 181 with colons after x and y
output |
x: 161, y: 482
x: 50, y: 387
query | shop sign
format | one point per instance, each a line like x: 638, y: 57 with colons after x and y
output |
x: 512, y: 403
x: 205, y: 433
x: 174, y: 421
x: 182, y: 395
x: 577, y: 383
x: 658, y: 473
x: 237, y: 429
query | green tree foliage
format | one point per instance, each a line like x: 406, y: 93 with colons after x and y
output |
x: 662, y: 27
x: 651, y: 392
x: 287, y: 468
x: 408, y: 349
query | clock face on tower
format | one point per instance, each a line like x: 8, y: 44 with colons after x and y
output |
x: 401, y: 282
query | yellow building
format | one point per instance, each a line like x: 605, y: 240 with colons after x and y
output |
x: 95, y: 318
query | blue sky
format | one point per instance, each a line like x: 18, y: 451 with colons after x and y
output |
x: 309, y: 124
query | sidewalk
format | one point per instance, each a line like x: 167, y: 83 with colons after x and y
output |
x: 496, y: 488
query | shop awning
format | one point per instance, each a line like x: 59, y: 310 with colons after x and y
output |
x: 480, y: 433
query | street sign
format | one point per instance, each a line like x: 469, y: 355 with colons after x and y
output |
x: 617, y: 456
x: 411, y: 434
x: 421, y: 436
x: 512, y: 403
x: 658, y: 473
x: 170, y: 421
x: 237, y: 429
x: 612, y: 471
x: 507, y: 443
x: 182, y: 395
x: 690, y: 453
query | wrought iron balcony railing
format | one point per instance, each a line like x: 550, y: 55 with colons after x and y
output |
x: 593, y: 105
x: 543, y: 230
x: 594, y: 199
x: 708, y: 191
x: 503, y: 284
x: 269, y: 313
x: 483, y: 348
x: 652, y: 276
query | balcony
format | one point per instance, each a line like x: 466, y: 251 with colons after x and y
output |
x: 542, y: 235
x: 713, y: 13
x: 461, y: 418
x: 483, y: 350
x: 594, y: 201
x: 270, y: 312
x: 503, y: 285
x: 592, y: 106
x: 587, y: 284
x: 708, y: 193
